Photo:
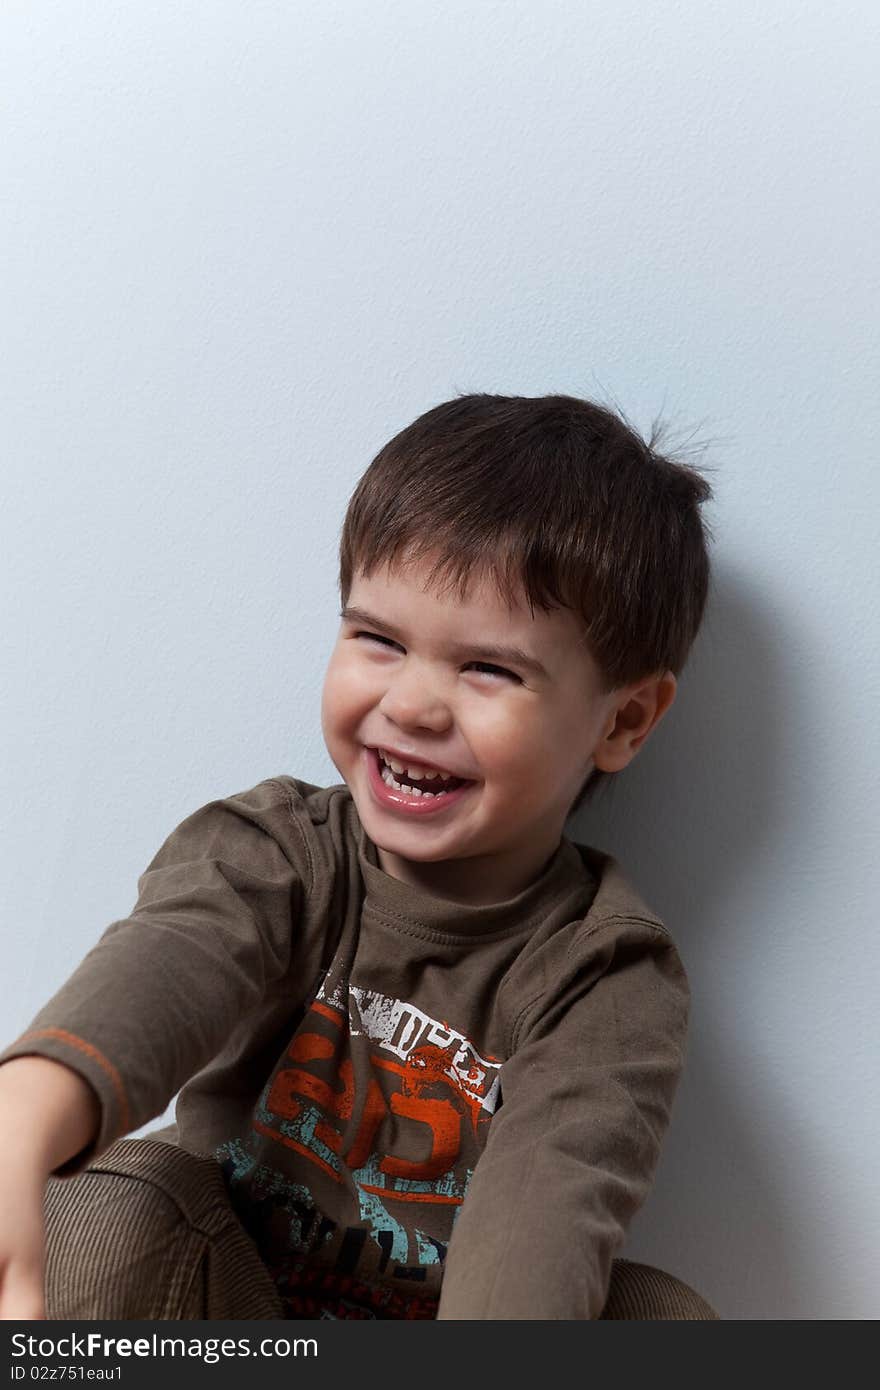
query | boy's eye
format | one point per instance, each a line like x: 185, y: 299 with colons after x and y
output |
x: 496, y: 670
x: 484, y: 665
x: 374, y: 637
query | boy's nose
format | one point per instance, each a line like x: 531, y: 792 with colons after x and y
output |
x: 412, y: 701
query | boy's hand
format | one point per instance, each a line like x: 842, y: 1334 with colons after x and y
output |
x: 47, y: 1114
x: 22, y: 1240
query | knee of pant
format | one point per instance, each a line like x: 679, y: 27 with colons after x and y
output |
x: 643, y: 1293
x: 146, y: 1231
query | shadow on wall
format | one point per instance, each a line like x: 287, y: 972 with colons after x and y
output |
x: 695, y: 821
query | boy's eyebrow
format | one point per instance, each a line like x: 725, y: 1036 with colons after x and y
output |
x: 514, y: 656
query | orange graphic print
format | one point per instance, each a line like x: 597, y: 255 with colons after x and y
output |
x: 384, y: 1111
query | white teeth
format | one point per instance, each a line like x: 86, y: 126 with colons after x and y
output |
x: 390, y: 781
x: 417, y: 773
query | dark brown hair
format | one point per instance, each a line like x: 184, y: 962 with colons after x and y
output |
x: 554, y: 497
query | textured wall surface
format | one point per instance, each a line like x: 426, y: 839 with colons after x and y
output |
x: 242, y: 245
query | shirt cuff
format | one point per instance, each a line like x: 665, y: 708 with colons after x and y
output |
x: 89, y: 1062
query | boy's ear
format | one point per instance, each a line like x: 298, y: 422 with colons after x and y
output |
x: 637, y: 710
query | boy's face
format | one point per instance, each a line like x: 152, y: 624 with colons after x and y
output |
x: 526, y: 740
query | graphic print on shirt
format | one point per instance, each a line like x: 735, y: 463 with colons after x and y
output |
x: 391, y: 1106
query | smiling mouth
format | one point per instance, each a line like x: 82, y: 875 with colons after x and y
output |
x: 408, y: 799
x: 427, y: 786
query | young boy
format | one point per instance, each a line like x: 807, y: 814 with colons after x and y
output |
x: 462, y: 1115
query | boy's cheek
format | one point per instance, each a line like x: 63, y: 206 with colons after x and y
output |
x: 343, y: 710
x: 346, y: 704
x: 341, y: 684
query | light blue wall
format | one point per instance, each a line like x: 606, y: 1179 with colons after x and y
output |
x: 242, y: 245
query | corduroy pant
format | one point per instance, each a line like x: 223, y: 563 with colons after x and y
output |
x: 147, y: 1232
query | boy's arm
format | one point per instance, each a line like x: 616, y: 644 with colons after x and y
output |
x: 159, y: 994
x: 571, y: 1154
x: 49, y: 1112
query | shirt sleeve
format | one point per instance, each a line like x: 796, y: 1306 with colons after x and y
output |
x: 571, y: 1154
x: 159, y: 994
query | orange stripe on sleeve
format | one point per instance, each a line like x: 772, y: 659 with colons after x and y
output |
x: 90, y: 1051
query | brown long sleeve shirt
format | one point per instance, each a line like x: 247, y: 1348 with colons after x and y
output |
x: 469, y: 1111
